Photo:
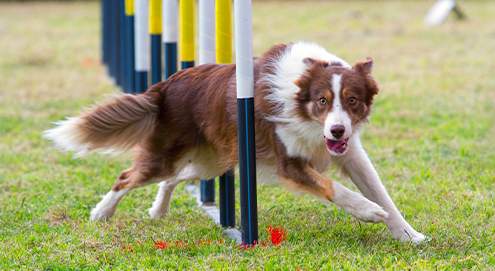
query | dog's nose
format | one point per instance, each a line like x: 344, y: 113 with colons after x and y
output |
x: 337, y: 130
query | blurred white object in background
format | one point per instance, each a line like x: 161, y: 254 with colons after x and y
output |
x: 441, y: 10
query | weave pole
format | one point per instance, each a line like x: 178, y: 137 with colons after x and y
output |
x: 245, y: 120
x: 155, y: 29
x: 123, y: 46
x: 206, y: 27
x: 206, y: 54
x: 104, y: 30
x: 141, y: 45
x: 113, y: 41
x: 169, y: 13
x: 186, y: 33
x: 129, y: 49
x: 223, y: 40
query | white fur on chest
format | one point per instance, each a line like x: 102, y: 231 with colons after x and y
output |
x: 301, y: 138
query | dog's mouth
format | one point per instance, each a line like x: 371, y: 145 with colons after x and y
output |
x: 336, y: 146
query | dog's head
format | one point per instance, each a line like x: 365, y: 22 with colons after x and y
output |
x: 336, y: 97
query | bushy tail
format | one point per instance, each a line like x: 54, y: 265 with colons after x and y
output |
x: 116, y: 125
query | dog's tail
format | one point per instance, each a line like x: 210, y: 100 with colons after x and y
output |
x: 116, y: 125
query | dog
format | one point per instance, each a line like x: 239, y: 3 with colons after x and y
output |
x: 310, y: 107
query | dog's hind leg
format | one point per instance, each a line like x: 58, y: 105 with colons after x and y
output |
x: 128, y: 180
x: 106, y: 207
x: 161, y: 205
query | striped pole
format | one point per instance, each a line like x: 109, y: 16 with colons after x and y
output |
x: 113, y: 42
x: 186, y: 55
x: 245, y: 120
x: 169, y: 37
x: 206, y: 47
x: 155, y: 29
x: 206, y: 54
x: 129, y: 31
x: 104, y: 32
x: 223, y: 38
x: 112, y: 45
x: 186, y: 33
x: 141, y: 45
x: 121, y: 45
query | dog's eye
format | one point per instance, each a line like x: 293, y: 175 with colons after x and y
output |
x: 352, y: 100
x: 323, y: 100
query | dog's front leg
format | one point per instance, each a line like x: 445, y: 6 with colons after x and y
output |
x: 362, y: 172
x: 299, y: 175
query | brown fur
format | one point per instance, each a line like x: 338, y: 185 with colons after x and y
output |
x: 120, y: 123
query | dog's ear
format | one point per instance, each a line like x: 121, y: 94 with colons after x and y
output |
x: 303, y: 82
x: 364, y: 67
x: 309, y: 61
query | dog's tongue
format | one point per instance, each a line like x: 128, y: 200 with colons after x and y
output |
x: 337, y: 146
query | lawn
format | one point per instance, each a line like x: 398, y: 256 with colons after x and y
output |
x: 431, y: 136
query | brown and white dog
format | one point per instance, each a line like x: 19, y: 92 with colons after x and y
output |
x: 309, y: 108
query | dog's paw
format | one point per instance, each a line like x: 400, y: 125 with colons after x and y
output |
x: 99, y: 213
x: 371, y: 212
x: 407, y: 234
x: 156, y: 212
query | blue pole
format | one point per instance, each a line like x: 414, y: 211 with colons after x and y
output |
x: 227, y: 199
x: 186, y: 64
x: 112, y: 25
x: 124, y: 48
x: 104, y: 32
x: 156, y: 58
x: 170, y: 58
x: 120, y: 43
x: 207, y: 191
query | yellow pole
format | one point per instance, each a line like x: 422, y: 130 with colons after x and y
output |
x: 155, y: 13
x: 186, y: 30
x: 223, y: 31
x: 129, y: 8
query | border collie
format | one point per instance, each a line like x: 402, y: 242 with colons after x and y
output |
x: 309, y: 109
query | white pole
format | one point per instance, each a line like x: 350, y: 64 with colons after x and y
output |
x: 206, y: 31
x: 243, y: 48
x: 169, y: 19
x: 141, y: 37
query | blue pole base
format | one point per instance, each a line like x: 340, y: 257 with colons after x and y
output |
x: 207, y: 188
x: 227, y: 199
x: 156, y: 58
x: 247, y: 170
x: 130, y: 64
x: 121, y: 45
x: 186, y: 64
x: 141, y: 81
x: 170, y: 59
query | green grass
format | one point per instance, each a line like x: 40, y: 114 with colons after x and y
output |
x: 431, y: 137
